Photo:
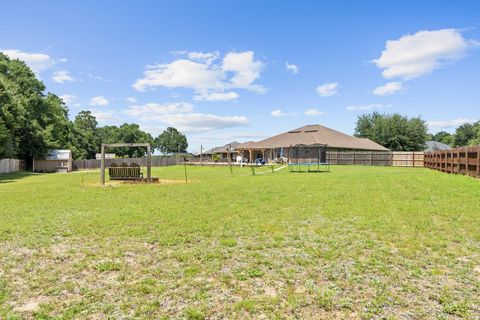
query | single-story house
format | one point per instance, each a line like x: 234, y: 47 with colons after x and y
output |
x: 55, y: 161
x: 435, y: 145
x: 316, y: 135
x: 223, y: 151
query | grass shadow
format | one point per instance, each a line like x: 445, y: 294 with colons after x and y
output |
x: 14, y: 176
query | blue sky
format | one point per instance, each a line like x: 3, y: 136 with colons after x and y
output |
x: 224, y: 70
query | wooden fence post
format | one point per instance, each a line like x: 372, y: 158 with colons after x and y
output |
x: 478, y: 161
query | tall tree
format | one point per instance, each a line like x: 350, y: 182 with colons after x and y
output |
x: 395, y: 132
x: 466, y: 133
x: 171, y: 141
x: 87, y: 140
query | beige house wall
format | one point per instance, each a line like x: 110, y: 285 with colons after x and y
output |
x: 51, y: 165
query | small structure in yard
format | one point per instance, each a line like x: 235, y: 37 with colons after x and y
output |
x: 55, y: 161
x: 308, y: 158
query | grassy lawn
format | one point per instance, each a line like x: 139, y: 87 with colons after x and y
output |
x: 357, y: 242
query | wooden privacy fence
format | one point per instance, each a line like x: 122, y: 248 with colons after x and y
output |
x: 11, y: 165
x: 375, y: 158
x: 464, y: 160
x: 408, y: 158
x: 156, y: 162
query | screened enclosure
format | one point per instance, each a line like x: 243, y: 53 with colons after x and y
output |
x: 308, y: 158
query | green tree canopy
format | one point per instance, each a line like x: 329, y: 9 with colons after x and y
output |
x: 443, y: 137
x: 467, y: 134
x: 127, y: 133
x: 171, y: 141
x: 395, y: 132
x: 87, y: 141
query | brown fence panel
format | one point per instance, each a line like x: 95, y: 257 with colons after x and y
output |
x: 465, y: 160
x: 376, y: 158
x: 367, y: 158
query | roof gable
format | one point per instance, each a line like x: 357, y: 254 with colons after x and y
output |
x: 315, y: 134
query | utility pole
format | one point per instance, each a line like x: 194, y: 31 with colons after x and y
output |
x: 201, y: 155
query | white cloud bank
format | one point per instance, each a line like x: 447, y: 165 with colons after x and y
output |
x: 150, y: 111
x: 328, y: 89
x: 445, y: 124
x: 293, y: 68
x: 182, y: 116
x: 209, y: 80
x: 277, y: 113
x: 367, y: 107
x: 416, y: 55
x: 216, y: 96
x: 314, y: 112
x: 62, y: 76
x: 99, y: 101
x: 200, y: 122
x: 38, y: 62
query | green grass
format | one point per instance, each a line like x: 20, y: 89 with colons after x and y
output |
x: 357, y: 242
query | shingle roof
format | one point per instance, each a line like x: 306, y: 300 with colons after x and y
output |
x: 314, y: 134
x: 59, y: 155
x: 222, y: 149
x: 435, y: 145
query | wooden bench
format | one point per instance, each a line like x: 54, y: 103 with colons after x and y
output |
x: 125, y: 172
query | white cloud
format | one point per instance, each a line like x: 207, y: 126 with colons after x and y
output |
x: 389, y: 88
x: 181, y: 115
x: 444, y: 124
x: 38, y: 62
x: 216, y: 96
x: 207, y: 57
x: 181, y: 73
x: 62, y: 76
x: 198, y: 122
x: 246, y: 70
x: 314, y: 112
x: 328, y: 89
x: 68, y: 98
x: 416, y: 55
x: 367, y: 107
x: 105, y: 117
x: 293, y: 68
x: 279, y: 113
x: 131, y: 100
x: 99, y: 101
x: 238, y: 70
x: 151, y: 110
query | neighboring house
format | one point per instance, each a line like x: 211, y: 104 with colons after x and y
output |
x: 435, y: 145
x: 312, y: 135
x: 55, y: 161
x: 223, y: 151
